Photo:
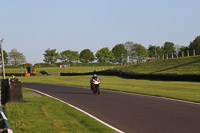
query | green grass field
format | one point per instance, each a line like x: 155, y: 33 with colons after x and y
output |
x: 41, y: 114
x: 58, y: 70
x: 183, y: 65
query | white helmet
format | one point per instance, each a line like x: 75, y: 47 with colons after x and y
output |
x: 94, y: 75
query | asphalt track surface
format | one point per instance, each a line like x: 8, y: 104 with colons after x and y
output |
x: 129, y: 113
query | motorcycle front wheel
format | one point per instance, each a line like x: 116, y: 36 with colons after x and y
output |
x: 97, y: 89
x: 94, y: 92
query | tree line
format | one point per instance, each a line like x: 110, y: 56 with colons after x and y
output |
x: 126, y: 52
x: 13, y: 57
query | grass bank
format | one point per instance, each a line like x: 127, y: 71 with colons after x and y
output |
x: 41, y: 114
x: 182, y: 65
x: 189, y: 91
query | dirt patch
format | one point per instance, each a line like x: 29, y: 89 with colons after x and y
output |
x: 44, y: 112
x: 55, y: 123
x: 47, y: 115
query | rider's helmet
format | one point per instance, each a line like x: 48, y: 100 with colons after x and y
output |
x: 94, y: 76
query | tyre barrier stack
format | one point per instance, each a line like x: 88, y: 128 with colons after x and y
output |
x: 4, y: 125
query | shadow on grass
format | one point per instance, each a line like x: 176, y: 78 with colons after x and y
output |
x: 181, y: 65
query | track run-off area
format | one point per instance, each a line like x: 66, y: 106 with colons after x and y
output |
x: 127, y: 112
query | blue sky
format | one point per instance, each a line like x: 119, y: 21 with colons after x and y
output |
x: 34, y: 26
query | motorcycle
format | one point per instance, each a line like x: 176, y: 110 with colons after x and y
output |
x: 96, y: 86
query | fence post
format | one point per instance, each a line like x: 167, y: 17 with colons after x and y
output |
x: 193, y: 52
x: 188, y: 53
x: 167, y: 56
x: 3, y: 68
x: 182, y: 53
x: 172, y: 55
x: 163, y: 57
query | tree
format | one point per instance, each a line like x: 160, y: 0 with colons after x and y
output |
x: 120, y: 53
x: 129, y: 47
x: 195, y: 44
x: 86, y: 56
x: 104, y: 55
x: 5, y: 56
x: 159, y: 51
x: 139, y: 52
x: 51, y: 56
x: 177, y: 49
x: 169, y: 48
x: 16, y: 58
x: 184, y: 50
x: 154, y: 51
x: 69, y: 56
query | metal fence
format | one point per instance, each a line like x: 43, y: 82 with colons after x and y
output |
x: 185, y: 53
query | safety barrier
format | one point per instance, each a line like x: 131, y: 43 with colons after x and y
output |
x: 5, y: 126
x: 162, y: 77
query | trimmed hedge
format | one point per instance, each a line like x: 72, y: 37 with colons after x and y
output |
x: 164, y: 77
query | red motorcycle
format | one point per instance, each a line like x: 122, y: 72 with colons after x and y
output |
x: 96, y: 86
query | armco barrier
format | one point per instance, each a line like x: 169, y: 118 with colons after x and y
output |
x: 5, y: 125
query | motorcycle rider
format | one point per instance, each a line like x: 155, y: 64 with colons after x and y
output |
x: 94, y: 77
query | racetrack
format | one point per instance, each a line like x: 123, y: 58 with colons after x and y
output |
x: 130, y: 113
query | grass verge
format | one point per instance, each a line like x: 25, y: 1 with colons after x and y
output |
x: 40, y: 114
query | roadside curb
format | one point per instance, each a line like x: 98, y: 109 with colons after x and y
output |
x: 7, y: 126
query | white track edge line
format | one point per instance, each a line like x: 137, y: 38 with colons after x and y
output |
x: 106, y: 124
